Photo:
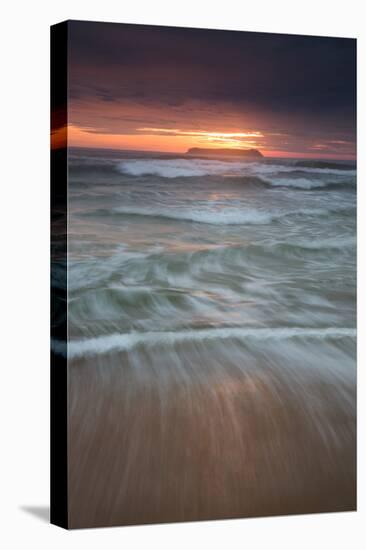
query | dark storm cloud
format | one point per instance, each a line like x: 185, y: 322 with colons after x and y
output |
x: 171, y: 66
x: 132, y: 80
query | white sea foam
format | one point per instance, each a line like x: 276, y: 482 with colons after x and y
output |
x: 297, y: 183
x: 226, y: 216
x: 126, y: 342
x: 173, y: 168
x: 180, y: 167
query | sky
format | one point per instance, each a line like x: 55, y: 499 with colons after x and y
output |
x: 168, y: 89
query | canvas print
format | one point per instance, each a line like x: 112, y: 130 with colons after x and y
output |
x: 204, y: 274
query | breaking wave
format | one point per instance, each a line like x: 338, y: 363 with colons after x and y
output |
x: 126, y: 342
x: 174, y: 168
x: 179, y: 167
x: 225, y: 216
x: 298, y: 183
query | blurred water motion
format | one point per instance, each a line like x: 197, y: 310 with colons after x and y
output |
x: 212, y: 345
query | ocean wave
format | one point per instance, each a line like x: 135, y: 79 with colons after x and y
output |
x: 278, y: 169
x: 325, y: 165
x: 324, y: 211
x: 178, y: 167
x: 173, y: 168
x: 298, y: 183
x: 331, y: 243
x: 307, y: 183
x: 127, y: 342
x: 225, y: 216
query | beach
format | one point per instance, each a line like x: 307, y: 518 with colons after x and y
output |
x: 211, y: 337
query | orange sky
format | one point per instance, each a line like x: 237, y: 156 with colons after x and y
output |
x: 169, y: 89
x: 179, y: 141
x: 163, y: 139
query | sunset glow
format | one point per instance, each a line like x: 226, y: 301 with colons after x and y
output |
x: 163, y: 139
x: 178, y: 141
x: 243, y: 92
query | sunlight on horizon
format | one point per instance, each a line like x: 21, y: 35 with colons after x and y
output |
x: 178, y: 141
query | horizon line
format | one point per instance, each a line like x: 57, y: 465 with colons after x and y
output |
x: 294, y: 155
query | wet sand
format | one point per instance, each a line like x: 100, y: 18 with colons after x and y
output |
x: 151, y: 445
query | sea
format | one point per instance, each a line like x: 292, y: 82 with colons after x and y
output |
x: 211, y: 336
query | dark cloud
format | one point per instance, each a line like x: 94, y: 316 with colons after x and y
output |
x: 172, y: 64
x: 293, y: 80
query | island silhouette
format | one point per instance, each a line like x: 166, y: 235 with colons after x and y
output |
x: 224, y: 152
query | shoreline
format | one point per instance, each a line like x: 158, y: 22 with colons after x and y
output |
x: 205, y: 447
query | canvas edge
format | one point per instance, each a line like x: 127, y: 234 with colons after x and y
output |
x: 58, y: 363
